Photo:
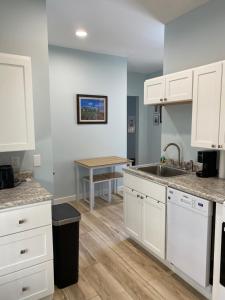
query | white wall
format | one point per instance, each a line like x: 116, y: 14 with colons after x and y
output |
x: 194, y: 39
x: 77, y: 72
x: 149, y: 136
x: 23, y: 31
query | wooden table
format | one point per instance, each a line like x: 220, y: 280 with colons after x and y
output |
x: 96, y: 163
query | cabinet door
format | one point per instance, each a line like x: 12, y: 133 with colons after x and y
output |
x: 153, y: 226
x: 179, y: 86
x: 28, y: 284
x: 154, y: 90
x: 206, y: 106
x: 222, y: 113
x: 132, y: 213
x: 16, y: 103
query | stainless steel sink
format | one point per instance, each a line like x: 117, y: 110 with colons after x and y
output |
x: 163, y: 171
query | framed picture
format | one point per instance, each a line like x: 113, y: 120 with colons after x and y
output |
x: 131, y: 124
x: 158, y: 110
x: 156, y: 119
x: 92, y: 109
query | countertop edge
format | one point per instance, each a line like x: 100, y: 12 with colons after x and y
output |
x: 18, y: 203
x: 177, y: 186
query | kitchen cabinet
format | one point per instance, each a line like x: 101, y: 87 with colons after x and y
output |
x: 222, y: 113
x: 145, y: 213
x: 207, y: 132
x: 154, y: 90
x: 176, y: 87
x: 179, y: 86
x: 26, y: 252
x: 153, y: 226
x: 16, y: 103
x: 132, y: 213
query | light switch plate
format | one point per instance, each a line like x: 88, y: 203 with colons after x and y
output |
x: 37, y: 160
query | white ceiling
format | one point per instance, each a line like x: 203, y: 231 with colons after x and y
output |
x: 127, y: 28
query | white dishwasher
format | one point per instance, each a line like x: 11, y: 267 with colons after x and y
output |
x: 189, y: 220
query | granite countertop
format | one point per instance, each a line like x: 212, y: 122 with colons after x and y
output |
x: 212, y: 188
x: 27, y: 192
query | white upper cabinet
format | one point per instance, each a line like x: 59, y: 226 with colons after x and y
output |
x: 154, y: 90
x: 16, y: 103
x: 222, y: 113
x: 179, y: 86
x: 171, y: 88
x: 206, y: 106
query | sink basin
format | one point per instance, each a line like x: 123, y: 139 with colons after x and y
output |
x: 162, y: 171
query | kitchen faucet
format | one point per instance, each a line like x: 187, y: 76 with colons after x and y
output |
x: 178, y: 149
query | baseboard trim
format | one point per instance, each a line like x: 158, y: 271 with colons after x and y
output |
x: 64, y: 199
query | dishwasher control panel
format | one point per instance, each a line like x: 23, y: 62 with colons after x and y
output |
x: 189, y: 201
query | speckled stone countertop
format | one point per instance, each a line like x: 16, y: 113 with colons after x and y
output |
x: 212, y: 188
x: 27, y: 192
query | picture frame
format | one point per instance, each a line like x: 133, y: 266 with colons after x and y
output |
x: 156, y: 119
x: 131, y: 126
x: 92, y: 109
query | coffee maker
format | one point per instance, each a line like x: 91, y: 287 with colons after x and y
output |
x: 209, y: 163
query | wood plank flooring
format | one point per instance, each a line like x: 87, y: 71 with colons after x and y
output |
x: 114, y: 267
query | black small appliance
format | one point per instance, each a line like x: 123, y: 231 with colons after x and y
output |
x: 209, y: 163
x: 6, y: 177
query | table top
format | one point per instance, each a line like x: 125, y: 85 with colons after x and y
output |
x: 102, y: 161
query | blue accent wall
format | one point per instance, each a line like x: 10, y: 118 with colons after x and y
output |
x: 194, y: 39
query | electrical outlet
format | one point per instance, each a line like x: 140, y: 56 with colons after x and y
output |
x: 15, y: 161
x: 37, y: 160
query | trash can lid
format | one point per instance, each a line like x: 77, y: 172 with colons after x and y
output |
x: 64, y: 214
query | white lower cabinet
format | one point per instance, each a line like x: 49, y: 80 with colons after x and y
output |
x: 32, y: 283
x: 144, y: 216
x: 132, y: 213
x: 25, y: 249
x: 153, y: 226
x: 26, y: 254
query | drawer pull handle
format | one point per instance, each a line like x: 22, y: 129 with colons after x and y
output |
x: 22, y: 221
x: 25, y: 288
x: 23, y: 251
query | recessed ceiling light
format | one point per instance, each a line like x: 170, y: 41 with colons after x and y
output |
x: 81, y: 33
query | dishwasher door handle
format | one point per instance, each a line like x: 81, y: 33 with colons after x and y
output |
x: 186, y: 201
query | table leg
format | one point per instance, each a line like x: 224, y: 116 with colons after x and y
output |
x: 109, y: 191
x: 91, y: 189
x: 113, y: 182
x: 77, y: 182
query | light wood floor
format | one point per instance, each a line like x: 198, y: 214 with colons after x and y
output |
x: 113, y: 267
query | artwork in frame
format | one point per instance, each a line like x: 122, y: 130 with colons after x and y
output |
x: 92, y: 109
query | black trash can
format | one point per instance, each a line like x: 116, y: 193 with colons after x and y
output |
x: 65, y: 220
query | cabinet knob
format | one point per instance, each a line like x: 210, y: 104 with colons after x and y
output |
x: 22, y: 221
x: 213, y: 146
x: 161, y: 100
x: 138, y: 196
x: 220, y: 146
x: 23, y: 251
x: 25, y: 288
x: 165, y: 99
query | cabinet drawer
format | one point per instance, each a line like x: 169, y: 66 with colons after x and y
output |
x: 25, y: 249
x: 31, y: 284
x: 147, y: 187
x: 25, y: 218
